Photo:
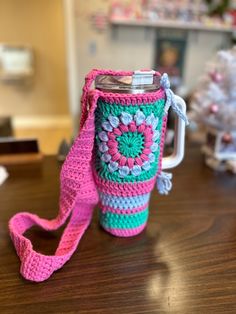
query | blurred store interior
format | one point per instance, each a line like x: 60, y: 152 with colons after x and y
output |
x: 47, y: 47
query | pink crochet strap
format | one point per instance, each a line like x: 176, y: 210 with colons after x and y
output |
x: 78, y: 198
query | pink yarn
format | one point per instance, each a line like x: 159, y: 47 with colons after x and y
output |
x: 116, y: 156
x: 130, y: 162
x: 124, y: 128
x: 78, y: 197
x: 123, y: 160
x: 111, y: 136
x: 132, y: 127
x: 78, y: 189
x: 138, y: 160
x: 117, y: 131
x: 144, y: 157
x: 126, y: 189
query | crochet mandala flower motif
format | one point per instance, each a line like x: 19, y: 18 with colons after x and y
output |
x: 128, y: 143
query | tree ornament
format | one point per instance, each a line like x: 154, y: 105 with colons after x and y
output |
x: 214, y: 108
x: 227, y: 138
x: 216, y: 77
x: 212, y: 98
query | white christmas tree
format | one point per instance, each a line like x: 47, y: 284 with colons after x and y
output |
x: 214, y: 102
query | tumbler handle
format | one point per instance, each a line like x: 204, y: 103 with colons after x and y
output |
x: 179, y: 139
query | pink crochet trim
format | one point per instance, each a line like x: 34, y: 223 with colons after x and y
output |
x: 78, y: 191
x: 126, y: 189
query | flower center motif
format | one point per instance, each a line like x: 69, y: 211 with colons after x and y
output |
x: 130, y: 144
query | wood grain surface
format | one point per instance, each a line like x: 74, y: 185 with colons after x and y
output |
x: 184, y: 262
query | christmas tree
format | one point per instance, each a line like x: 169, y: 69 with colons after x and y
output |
x: 214, y: 102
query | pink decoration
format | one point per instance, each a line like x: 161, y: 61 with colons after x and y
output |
x: 111, y: 135
x: 123, y: 128
x: 148, y: 144
x: 148, y: 133
x: 130, y: 162
x: 113, y: 188
x: 141, y: 128
x: 138, y: 161
x: 116, y: 156
x: 148, y: 137
x: 216, y: 76
x: 147, y: 151
x: 144, y: 157
x: 227, y: 138
x: 112, y: 151
x: 117, y: 131
x: 112, y: 144
x: 214, y: 108
x: 132, y: 127
x: 123, y: 161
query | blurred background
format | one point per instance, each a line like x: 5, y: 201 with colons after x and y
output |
x: 47, y: 47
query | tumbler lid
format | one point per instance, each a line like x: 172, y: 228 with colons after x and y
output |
x: 138, y: 82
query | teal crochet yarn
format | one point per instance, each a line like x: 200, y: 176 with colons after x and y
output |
x: 123, y: 221
x: 130, y: 144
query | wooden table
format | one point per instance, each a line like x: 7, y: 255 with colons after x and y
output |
x: 185, y: 261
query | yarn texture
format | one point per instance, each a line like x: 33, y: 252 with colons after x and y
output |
x: 128, y: 149
x: 114, y: 162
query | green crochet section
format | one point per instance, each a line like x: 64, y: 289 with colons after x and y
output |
x: 101, y: 114
x: 110, y: 220
x: 105, y: 109
x: 130, y: 144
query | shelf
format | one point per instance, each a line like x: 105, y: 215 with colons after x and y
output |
x: 194, y: 26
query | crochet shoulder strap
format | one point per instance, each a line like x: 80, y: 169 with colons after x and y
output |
x: 78, y: 197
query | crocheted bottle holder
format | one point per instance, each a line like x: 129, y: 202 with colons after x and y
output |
x: 115, y: 160
x: 128, y: 149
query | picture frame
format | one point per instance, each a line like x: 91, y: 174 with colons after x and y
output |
x: 16, y: 62
x: 170, y: 48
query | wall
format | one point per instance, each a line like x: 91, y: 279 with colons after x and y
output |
x: 126, y: 50
x: 130, y: 48
x: 38, y: 23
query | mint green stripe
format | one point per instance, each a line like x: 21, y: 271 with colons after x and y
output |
x: 110, y: 220
x: 115, y: 109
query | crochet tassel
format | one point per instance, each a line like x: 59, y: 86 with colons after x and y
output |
x: 170, y: 98
x: 164, y: 183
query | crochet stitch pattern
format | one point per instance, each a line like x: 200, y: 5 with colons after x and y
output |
x: 127, y: 146
x: 128, y: 141
x: 115, y: 160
